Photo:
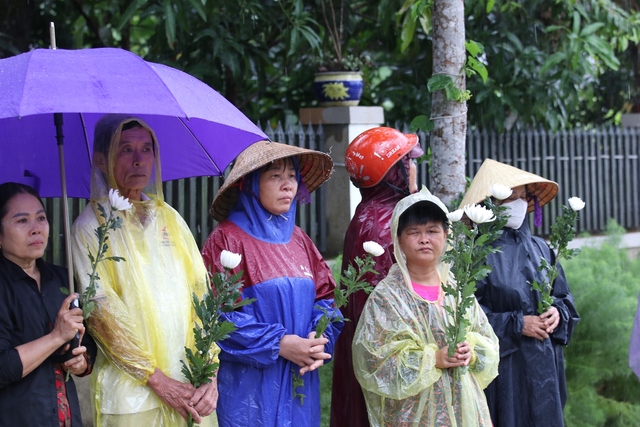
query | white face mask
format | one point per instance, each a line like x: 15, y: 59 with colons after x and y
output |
x: 517, y: 211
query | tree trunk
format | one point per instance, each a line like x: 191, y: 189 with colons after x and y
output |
x: 449, y: 117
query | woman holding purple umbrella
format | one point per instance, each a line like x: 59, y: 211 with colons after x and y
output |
x: 144, y: 316
x: 35, y: 320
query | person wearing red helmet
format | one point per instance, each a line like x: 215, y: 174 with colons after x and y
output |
x: 380, y: 163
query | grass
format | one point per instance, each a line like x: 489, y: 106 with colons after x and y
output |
x: 326, y: 378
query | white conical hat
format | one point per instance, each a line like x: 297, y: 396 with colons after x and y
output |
x: 492, y: 172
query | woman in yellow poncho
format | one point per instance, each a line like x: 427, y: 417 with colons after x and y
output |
x: 143, y: 317
x: 399, y: 351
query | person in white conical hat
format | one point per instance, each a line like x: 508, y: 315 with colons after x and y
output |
x: 530, y: 388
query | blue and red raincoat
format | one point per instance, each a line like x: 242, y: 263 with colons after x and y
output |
x: 290, y: 280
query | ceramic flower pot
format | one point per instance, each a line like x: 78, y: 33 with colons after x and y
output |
x: 338, y: 88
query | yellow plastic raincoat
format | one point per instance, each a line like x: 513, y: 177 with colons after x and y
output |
x: 144, y: 317
x: 394, y: 350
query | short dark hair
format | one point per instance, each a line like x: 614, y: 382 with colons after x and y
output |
x: 8, y: 191
x: 420, y: 214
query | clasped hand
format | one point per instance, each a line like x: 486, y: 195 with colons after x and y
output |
x: 308, y: 353
x: 461, y: 357
x: 539, y: 327
x: 185, y: 398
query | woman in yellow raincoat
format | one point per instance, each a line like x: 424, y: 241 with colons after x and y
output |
x: 400, y: 356
x: 143, y: 317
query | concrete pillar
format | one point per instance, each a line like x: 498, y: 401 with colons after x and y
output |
x: 341, y: 125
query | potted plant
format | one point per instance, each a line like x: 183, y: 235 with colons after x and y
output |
x: 338, y: 81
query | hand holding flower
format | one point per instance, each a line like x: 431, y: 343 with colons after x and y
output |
x: 469, y: 247
x: 202, y: 364
x: 351, y: 281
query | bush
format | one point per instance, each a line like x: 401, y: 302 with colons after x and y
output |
x: 603, y: 391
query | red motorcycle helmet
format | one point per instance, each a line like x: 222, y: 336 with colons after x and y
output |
x: 372, y: 153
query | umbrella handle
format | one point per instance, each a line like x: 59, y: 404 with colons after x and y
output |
x: 74, y: 343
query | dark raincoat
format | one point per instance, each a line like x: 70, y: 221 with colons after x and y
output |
x: 530, y: 389
x: 371, y: 222
x: 288, y: 277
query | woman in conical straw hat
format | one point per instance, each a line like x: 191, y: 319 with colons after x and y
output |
x: 530, y: 388
x: 293, y: 286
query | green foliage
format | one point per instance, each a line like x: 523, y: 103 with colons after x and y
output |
x: 602, y: 389
x: 298, y: 382
x: 550, y: 63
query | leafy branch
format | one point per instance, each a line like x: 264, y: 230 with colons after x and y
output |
x: 562, y: 232
x: 352, y: 282
x: 223, y: 297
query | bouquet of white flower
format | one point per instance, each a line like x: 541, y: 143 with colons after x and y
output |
x: 469, y: 247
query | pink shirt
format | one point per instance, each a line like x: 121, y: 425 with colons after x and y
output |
x: 429, y: 293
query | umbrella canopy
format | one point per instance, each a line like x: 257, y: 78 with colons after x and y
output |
x: 199, y: 131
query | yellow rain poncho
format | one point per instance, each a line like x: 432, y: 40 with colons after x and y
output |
x: 144, y: 317
x: 394, y: 351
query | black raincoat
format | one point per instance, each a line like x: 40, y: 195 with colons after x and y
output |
x: 530, y: 389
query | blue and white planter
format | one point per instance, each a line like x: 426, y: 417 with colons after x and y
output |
x: 338, y: 88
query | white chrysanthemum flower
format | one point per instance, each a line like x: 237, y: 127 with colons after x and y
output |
x: 373, y: 248
x: 456, y: 215
x: 576, y: 203
x: 500, y: 192
x: 479, y: 214
x: 118, y: 202
x: 229, y: 259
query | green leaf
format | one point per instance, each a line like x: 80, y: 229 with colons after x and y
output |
x: 553, y: 60
x: 169, y: 22
x: 197, y: 5
x: 421, y: 122
x: 591, y: 28
x: 478, y: 67
x: 407, y: 32
x: 439, y: 82
x: 124, y: 20
x: 489, y: 6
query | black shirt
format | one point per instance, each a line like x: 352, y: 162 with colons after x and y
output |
x: 27, y: 314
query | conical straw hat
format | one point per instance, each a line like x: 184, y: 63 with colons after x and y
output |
x: 315, y: 168
x: 492, y: 172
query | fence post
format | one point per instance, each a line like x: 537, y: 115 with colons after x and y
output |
x: 341, y: 125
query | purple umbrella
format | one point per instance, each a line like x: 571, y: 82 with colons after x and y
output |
x: 199, y: 131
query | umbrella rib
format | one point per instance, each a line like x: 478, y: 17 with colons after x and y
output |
x: 201, y: 146
x: 86, y: 139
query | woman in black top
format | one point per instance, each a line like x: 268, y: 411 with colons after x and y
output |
x: 35, y: 320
